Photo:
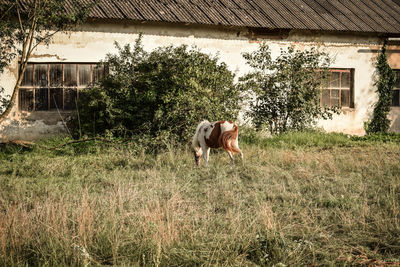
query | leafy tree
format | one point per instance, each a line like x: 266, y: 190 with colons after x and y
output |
x: 384, y: 88
x: 4, y: 100
x: 286, y: 91
x: 164, y: 93
x: 26, y: 24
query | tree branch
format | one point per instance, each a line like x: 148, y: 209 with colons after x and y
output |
x: 47, y: 36
x: 5, y: 13
x: 19, y: 18
x: 31, y: 35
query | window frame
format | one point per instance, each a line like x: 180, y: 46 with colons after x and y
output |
x: 330, y: 88
x: 34, y: 87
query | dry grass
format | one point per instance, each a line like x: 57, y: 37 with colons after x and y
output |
x: 110, y: 205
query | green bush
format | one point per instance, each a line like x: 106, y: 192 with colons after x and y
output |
x: 161, y: 94
x: 379, y: 137
x: 286, y: 89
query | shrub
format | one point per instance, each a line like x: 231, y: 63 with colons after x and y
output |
x: 287, y: 89
x: 163, y: 94
x: 379, y: 137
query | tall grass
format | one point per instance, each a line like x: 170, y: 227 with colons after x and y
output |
x: 292, y: 201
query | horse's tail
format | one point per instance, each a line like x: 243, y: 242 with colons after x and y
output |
x: 228, y: 140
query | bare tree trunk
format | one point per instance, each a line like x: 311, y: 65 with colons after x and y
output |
x: 25, y: 56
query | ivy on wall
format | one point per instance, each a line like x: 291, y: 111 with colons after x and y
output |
x: 384, y: 88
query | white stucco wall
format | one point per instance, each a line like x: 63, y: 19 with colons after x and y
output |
x: 93, y: 41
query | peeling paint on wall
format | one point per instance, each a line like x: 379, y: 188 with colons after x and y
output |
x: 55, y: 56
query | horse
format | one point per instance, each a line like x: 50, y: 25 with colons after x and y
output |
x: 214, y: 135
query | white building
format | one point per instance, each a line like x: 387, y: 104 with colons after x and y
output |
x: 350, y: 31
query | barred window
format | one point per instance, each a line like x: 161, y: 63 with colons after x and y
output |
x: 56, y: 86
x: 338, y: 89
x: 396, y: 90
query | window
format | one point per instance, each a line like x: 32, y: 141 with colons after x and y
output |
x: 396, y: 90
x: 55, y: 86
x: 338, y: 90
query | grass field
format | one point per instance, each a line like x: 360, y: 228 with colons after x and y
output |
x: 297, y: 199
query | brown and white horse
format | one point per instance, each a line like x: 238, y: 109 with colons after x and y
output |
x: 214, y: 135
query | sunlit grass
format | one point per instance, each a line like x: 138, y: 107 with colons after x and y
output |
x: 297, y: 199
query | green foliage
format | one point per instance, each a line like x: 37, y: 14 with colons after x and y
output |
x: 162, y: 94
x: 4, y: 100
x: 287, y: 89
x: 379, y: 137
x: 6, y: 44
x: 384, y: 88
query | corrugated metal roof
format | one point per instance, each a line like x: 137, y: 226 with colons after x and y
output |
x: 375, y: 16
x: 383, y: 12
x: 110, y: 9
x: 300, y: 14
x: 277, y: 19
x: 128, y: 10
x: 311, y: 14
x: 364, y: 15
x: 96, y: 11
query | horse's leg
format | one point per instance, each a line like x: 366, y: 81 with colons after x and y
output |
x: 241, y: 154
x: 237, y: 149
x: 206, y: 153
x: 231, y: 156
x: 197, y: 155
